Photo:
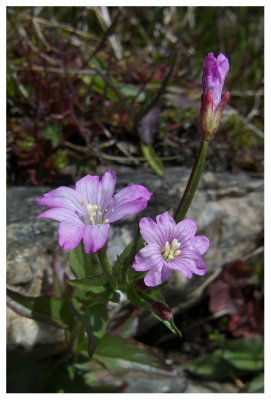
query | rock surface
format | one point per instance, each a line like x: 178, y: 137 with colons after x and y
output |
x: 227, y: 208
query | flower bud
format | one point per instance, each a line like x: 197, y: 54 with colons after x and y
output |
x: 162, y: 310
x: 212, y: 105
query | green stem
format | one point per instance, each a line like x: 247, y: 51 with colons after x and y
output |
x: 107, y: 269
x: 192, y: 184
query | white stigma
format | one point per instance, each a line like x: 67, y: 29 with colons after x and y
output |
x: 170, y: 251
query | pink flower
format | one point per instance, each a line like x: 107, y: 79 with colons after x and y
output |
x: 212, y: 106
x: 170, y: 246
x: 87, y: 212
x: 214, y: 74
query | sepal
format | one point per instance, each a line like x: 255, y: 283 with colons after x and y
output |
x: 210, y: 118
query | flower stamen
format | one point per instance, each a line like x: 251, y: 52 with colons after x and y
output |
x: 92, y: 212
x: 171, y: 251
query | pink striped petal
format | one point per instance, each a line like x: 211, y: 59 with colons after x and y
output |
x: 130, y: 200
x: 59, y: 214
x: 157, y: 275
x: 148, y: 257
x: 95, y: 237
x: 70, y: 233
x: 63, y: 197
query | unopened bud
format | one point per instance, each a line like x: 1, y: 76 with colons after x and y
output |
x: 212, y: 105
x: 162, y: 310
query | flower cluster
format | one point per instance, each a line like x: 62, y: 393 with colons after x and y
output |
x: 170, y: 246
x: 87, y: 212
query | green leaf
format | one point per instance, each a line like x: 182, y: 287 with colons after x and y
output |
x: 50, y: 310
x: 135, y: 298
x: 94, y: 320
x: 99, y: 84
x: 122, y: 269
x: 83, y: 264
x: 94, y: 283
x: 112, y: 296
x: 211, y: 366
x: 119, y: 354
x: 53, y: 133
x: 245, y: 354
x: 256, y: 385
x: 59, y: 158
x: 131, y: 91
x: 170, y: 325
x: 152, y: 158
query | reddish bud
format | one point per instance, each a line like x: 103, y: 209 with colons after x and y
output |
x: 209, y: 118
x: 162, y: 310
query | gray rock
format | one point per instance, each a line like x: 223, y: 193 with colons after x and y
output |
x: 227, y: 208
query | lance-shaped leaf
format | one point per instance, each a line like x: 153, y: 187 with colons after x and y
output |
x: 94, y: 283
x: 119, y: 354
x: 152, y: 158
x: 245, y: 354
x: 211, y: 366
x: 47, y: 309
x: 94, y: 320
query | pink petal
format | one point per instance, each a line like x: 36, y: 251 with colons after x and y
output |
x: 63, y: 197
x: 59, y: 214
x: 181, y: 266
x: 127, y: 201
x: 106, y: 188
x: 70, y: 233
x: 186, y: 229
x: 148, y: 257
x: 193, y: 260
x: 151, y: 232
x: 95, y: 237
x: 167, y: 226
x: 88, y: 187
x: 157, y: 275
x: 199, y: 244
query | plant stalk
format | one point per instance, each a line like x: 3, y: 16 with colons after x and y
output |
x: 192, y: 183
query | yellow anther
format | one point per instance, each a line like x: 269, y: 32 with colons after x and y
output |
x: 83, y: 202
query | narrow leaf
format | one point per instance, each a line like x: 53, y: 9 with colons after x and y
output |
x: 50, y: 310
x: 210, y: 366
x: 94, y: 283
x: 152, y: 158
x: 94, y: 320
x: 119, y: 354
x: 245, y: 354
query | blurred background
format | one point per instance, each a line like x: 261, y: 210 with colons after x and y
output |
x: 80, y: 80
x: 121, y: 86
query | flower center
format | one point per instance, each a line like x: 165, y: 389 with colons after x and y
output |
x: 96, y: 217
x: 170, y: 251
